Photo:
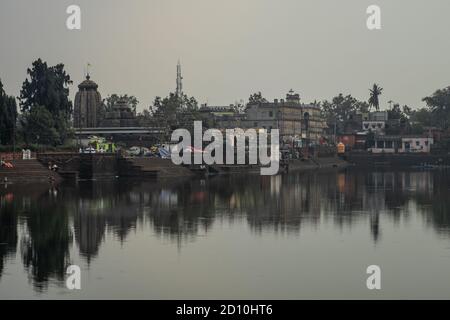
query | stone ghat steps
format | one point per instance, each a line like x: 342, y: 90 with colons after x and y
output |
x: 130, y: 170
x: 28, y: 171
x: 161, y: 168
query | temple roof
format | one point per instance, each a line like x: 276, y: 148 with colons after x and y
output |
x: 88, y: 84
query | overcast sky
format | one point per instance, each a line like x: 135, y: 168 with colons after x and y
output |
x: 231, y: 48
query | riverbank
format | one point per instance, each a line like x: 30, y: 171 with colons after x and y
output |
x: 315, y: 164
x: 29, y: 171
x: 407, y: 160
x: 78, y: 166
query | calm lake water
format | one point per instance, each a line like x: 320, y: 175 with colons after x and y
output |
x: 305, y: 235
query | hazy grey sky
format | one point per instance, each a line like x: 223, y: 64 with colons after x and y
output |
x: 231, y: 48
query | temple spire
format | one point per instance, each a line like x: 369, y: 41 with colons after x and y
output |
x: 88, y: 76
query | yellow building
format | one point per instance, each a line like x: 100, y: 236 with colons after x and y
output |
x: 294, y: 120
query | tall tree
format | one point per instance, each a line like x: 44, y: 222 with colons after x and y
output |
x: 374, y: 98
x: 339, y: 110
x: 47, y: 87
x: 175, y: 112
x: 439, y: 104
x: 8, y: 116
x: 341, y: 107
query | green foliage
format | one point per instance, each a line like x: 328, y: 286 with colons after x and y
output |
x: 395, y: 112
x: 398, y: 121
x: 341, y: 107
x: 8, y: 116
x: 256, y: 98
x: 111, y: 100
x: 40, y: 127
x: 175, y: 111
x: 48, y: 86
x: 439, y: 104
x: 45, y: 104
x: 5, y: 148
x: 422, y: 116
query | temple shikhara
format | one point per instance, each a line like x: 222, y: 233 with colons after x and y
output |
x: 91, y: 112
x: 88, y: 105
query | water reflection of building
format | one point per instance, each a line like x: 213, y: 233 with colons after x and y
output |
x: 89, y: 232
x: 184, y: 211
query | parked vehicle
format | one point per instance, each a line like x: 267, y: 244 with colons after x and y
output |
x: 89, y: 150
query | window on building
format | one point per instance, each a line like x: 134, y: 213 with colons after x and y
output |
x: 380, y: 144
x: 417, y: 143
x: 389, y: 144
x: 255, y: 124
x: 426, y: 143
x: 271, y: 114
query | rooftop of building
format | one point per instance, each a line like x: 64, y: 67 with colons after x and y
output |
x: 207, y: 108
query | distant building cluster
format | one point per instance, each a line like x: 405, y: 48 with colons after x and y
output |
x: 369, y: 132
x: 90, y: 112
x: 299, y: 124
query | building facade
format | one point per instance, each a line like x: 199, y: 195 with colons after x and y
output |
x: 295, y: 121
x: 401, y: 144
x: 220, y: 117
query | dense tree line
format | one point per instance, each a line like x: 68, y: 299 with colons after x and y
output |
x: 8, y: 117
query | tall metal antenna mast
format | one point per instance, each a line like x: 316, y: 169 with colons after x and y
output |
x: 179, y: 91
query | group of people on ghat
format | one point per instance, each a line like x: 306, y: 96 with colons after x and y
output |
x: 53, y: 167
x: 5, y: 164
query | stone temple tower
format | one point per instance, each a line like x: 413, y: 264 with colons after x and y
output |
x: 87, y: 104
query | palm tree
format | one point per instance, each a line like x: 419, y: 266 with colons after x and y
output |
x: 375, y: 92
